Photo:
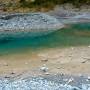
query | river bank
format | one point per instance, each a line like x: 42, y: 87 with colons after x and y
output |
x: 65, y: 53
x: 73, y: 61
x: 68, y: 69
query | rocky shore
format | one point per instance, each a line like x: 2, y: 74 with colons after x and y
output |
x: 53, y: 69
x: 50, y: 82
x: 31, y: 24
x: 68, y: 14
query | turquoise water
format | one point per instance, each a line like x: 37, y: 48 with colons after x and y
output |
x: 72, y: 35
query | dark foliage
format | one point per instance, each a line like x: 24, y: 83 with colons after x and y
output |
x: 46, y: 3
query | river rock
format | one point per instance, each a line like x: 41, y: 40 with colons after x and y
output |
x: 89, y: 78
x: 44, y: 68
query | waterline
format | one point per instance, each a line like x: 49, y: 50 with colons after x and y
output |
x: 72, y: 35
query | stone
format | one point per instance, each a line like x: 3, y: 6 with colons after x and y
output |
x: 70, y: 80
x: 65, y: 80
x: 44, y: 60
x: 80, y: 75
x: 47, y: 73
x: 84, y: 61
x: 62, y: 74
x: 58, y: 67
x: 7, y: 77
x: 44, y: 68
x: 89, y: 78
x: 12, y: 73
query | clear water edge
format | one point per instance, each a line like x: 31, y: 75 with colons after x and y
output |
x: 72, y: 35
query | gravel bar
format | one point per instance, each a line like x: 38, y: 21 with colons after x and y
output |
x: 32, y: 23
x: 56, y: 82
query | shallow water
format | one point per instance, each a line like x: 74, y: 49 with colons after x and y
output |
x: 72, y: 35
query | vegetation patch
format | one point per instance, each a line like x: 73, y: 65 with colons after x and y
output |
x: 37, y: 5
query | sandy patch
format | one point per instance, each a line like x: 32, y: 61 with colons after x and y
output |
x: 72, y: 60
